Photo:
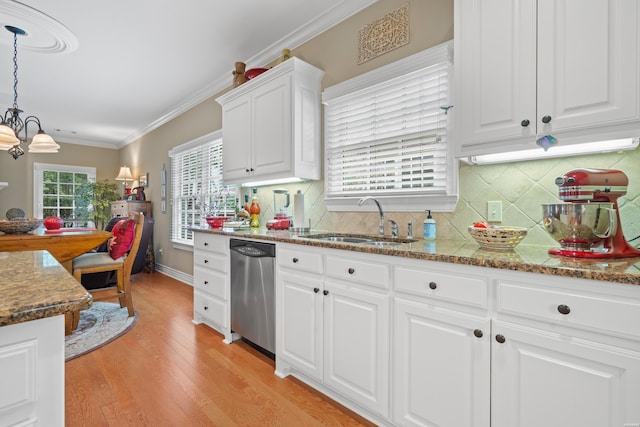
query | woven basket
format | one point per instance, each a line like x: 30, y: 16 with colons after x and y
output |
x: 18, y: 226
x: 498, y: 239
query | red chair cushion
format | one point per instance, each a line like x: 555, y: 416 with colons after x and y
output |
x: 122, y: 240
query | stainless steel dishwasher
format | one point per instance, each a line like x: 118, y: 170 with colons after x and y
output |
x: 253, y: 292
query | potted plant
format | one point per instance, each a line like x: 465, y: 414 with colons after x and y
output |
x: 93, y: 201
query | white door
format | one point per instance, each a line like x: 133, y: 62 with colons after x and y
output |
x: 587, y: 63
x: 495, y: 72
x: 440, y: 367
x: 356, y: 345
x: 299, y: 322
x: 272, y: 127
x: 548, y: 379
x: 236, y: 140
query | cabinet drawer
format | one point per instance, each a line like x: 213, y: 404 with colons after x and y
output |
x: 211, y: 282
x: 589, y: 311
x: 210, y: 261
x: 441, y: 285
x: 356, y: 270
x: 210, y: 308
x: 299, y: 260
x: 211, y: 243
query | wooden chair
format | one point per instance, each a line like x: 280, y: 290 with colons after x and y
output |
x: 95, y: 262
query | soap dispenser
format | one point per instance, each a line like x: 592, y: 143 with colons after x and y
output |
x: 429, y: 227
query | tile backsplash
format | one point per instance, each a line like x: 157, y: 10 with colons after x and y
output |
x: 522, y: 187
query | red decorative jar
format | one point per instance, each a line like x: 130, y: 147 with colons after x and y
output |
x: 53, y: 223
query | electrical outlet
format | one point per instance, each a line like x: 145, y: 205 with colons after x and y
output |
x: 494, y: 211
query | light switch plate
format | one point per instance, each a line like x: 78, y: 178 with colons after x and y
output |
x: 494, y: 211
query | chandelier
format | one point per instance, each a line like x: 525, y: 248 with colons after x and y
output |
x: 12, y: 124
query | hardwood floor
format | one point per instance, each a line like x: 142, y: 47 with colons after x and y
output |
x: 167, y: 371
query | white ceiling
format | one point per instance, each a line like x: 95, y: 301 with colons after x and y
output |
x: 104, y: 73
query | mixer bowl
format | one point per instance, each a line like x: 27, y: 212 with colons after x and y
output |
x: 579, y: 226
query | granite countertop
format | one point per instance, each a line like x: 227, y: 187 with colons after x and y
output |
x: 527, y: 258
x: 35, y: 286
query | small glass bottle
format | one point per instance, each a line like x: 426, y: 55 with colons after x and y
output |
x: 254, y: 210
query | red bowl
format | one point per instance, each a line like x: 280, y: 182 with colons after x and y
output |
x: 254, y: 72
x: 216, y: 221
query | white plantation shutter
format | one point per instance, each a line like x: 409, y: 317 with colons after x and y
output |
x: 196, y: 182
x: 386, y: 132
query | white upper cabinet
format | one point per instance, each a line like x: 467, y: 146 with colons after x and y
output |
x: 271, y: 125
x: 567, y: 68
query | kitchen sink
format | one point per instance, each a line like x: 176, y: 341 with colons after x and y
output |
x: 356, y: 238
x: 346, y: 239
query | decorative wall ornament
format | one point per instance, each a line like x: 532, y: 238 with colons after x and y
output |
x: 383, y: 35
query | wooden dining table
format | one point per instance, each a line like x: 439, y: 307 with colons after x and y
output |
x: 64, y: 245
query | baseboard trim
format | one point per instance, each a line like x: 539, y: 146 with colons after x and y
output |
x: 175, y: 274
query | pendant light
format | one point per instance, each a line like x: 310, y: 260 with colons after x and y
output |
x: 12, y: 124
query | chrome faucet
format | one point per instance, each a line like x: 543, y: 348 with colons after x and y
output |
x: 381, y: 224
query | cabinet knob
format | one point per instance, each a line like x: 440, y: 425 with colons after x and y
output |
x: 206, y: 307
x: 250, y: 169
x: 206, y: 282
x: 246, y: 170
x: 546, y: 119
x: 500, y: 338
x: 478, y: 333
x: 325, y: 292
x: 433, y: 285
x: 351, y: 270
x: 525, y: 123
x: 295, y: 260
x: 564, y: 309
x: 316, y: 290
x: 206, y: 261
x: 206, y: 244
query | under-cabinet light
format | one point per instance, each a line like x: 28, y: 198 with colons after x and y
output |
x: 556, y: 151
x: 272, y: 182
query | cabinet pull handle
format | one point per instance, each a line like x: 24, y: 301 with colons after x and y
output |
x: 325, y: 292
x: 433, y: 285
x: 546, y: 119
x: 500, y: 338
x: 478, y: 333
x: 295, y: 260
x: 316, y: 290
x: 525, y: 123
x: 564, y: 309
x: 351, y: 270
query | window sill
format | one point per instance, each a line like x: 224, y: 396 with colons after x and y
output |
x: 440, y: 203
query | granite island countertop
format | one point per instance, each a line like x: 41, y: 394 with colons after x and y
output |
x: 526, y: 258
x: 34, y: 286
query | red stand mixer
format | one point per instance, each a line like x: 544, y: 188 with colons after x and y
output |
x: 588, y: 225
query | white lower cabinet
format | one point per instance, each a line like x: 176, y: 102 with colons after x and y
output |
x: 211, y: 283
x: 544, y: 378
x: 441, y: 366
x: 32, y: 373
x: 420, y: 343
x: 333, y: 331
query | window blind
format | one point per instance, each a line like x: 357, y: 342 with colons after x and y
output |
x: 197, y: 187
x: 390, y: 137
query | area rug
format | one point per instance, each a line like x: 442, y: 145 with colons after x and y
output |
x: 102, y: 323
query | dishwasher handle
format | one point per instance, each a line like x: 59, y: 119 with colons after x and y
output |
x: 253, y: 249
